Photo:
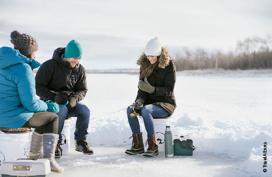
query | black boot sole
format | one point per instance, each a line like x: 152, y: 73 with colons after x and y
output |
x: 153, y: 154
x: 134, y: 152
x: 57, y: 156
x: 81, y: 150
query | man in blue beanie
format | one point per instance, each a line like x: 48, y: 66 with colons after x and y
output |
x: 63, y: 79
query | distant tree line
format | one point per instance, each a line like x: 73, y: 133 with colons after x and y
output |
x: 251, y: 53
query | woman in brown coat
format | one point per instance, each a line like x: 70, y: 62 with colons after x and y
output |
x: 155, y: 98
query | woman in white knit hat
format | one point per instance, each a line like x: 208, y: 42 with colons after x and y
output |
x: 155, y: 98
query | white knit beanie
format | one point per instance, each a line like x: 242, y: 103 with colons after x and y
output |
x: 153, y: 47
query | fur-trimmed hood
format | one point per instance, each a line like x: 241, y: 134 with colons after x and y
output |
x: 164, y: 60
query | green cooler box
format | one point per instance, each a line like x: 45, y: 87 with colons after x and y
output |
x: 184, y: 147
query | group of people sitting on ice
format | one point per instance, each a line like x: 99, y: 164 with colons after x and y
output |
x: 45, y: 100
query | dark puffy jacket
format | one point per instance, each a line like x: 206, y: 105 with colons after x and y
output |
x: 56, y: 76
x: 163, y: 78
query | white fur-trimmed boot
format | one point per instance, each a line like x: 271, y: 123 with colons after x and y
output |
x: 35, y: 146
x: 50, y: 141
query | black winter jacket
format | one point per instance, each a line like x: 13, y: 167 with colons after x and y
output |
x: 163, y: 79
x: 56, y: 76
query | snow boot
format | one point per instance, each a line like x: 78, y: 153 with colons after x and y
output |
x: 58, y: 152
x: 49, y: 147
x: 152, y: 149
x: 82, y: 146
x: 35, y: 146
x: 137, y: 145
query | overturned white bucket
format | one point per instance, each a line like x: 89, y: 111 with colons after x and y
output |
x: 66, y: 133
x: 14, y: 146
x: 159, y: 127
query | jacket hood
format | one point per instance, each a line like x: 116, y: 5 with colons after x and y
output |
x: 10, y: 56
x: 163, y: 60
x: 58, y: 56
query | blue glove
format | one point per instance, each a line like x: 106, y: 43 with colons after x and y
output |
x: 52, y: 106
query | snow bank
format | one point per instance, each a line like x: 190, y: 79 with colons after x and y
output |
x: 220, y: 138
x: 240, y: 141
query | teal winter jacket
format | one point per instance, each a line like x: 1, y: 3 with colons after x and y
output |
x: 18, y: 100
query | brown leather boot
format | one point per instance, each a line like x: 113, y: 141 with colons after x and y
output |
x: 152, y: 149
x: 137, y: 145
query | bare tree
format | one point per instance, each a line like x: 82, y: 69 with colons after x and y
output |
x: 251, y: 53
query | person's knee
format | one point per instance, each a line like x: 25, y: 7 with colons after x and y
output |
x: 63, y: 112
x: 55, y: 119
x: 84, y: 111
x: 145, y: 111
x: 129, y: 111
x: 53, y: 116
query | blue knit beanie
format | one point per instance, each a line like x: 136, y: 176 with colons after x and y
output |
x: 73, y: 50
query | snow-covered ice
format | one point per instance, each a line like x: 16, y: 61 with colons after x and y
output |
x: 226, y: 114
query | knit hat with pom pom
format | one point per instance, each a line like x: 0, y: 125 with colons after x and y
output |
x: 26, y: 44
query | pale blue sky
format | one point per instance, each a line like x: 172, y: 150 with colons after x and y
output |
x: 120, y: 28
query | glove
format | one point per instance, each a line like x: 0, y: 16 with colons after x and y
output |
x: 52, y: 106
x: 146, y: 86
x: 72, y: 103
x: 61, y: 98
x: 137, y: 105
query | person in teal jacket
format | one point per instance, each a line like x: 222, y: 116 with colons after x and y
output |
x: 19, y: 106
